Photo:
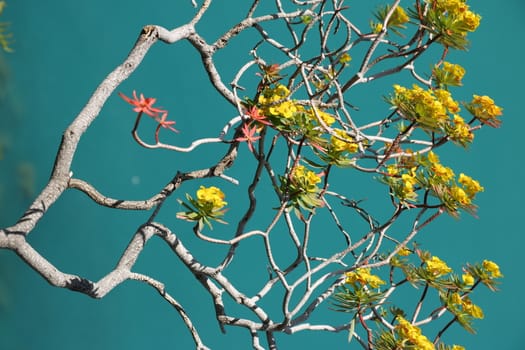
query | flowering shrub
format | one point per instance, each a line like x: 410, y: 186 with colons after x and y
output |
x: 302, y: 132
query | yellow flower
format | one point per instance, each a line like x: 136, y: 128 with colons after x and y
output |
x: 269, y: 102
x: 286, y: 109
x: 442, y: 172
x: 397, y: 20
x: 409, y: 180
x: 433, y: 158
x: 486, y: 105
x: 377, y: 27
x: 399, y: 17
x: 471, y: 20
x: 392, y: 169
x: 455, y: 71
x: 471, y: 309
x: 456, y: 299
x: 364, y: 277
x: 483, y: 108
x: 374, y: 281
x: 281, y: 91
x: 493, y: 268
x: 457, y: 347
x: 460, y: 132
x: 460, y: 195
x: 339, y: 145
x: 305, y: 179
x: 466, y: 304
x: 446, y: 99
x: 312, y: 178
x: 399, y: 90
x: 437, y: 267
x: 211, y: 196
x: 327, y: 118
x: 273, y: 95
x: 404, y: 252
x: 423, y: 106
x: 404, y: 185
x: 452, y: 6
x: 471, y: 186
x: 413, y: 334
x: 459, y: 10
x: 468, y: 279
x: 345, y: 58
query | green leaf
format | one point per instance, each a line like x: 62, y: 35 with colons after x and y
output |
x: 351, y: 330
x: 312, y: 163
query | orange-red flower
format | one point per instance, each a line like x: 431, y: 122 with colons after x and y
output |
x: 142, y: 104
x: 249, y: 136
x: 254, y: 115
x: 167, y: 124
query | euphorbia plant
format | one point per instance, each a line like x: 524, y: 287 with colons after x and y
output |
x: 302, y: 134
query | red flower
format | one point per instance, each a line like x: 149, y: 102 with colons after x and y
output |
x: 253, y: 113
x: 142, y: 105
x: 249, y: 136
x: 167, y: 124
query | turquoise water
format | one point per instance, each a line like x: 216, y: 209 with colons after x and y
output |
x: 64, y: 49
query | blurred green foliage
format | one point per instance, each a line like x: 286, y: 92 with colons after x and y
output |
x: 5, y: 35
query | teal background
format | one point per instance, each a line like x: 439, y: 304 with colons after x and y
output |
x: 63, y: 49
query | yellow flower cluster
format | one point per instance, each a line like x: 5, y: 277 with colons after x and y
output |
x: 459, y: 131
x: 273, y: 102
x: 454, y: 72
x: 435, y: 110
x: 341, y: 142
x: 483, y: 108
x: 451, y: 20
x: 412, y: 334
x: 446, y: 99
x: 493, y: 268
x: 327, y: 118
x: 364, y: 277
x: 301, y: 188
x: 437, y: 267
x: 464, y: 195
x: 404, y: 185
x: 428, y: 107
x: 399, y: 17
x: 205, y: 208
x: 409, y: 181
x: 467, y: 306
x: 460, y: 196
x: 443, y: 173
x: 472, y: 187
x: 468, y: 279
x: 404, y: 252
x: 305, y: 179
x: 459, y: 10
x: 420, y: 172
x: 211, y: 197
x: 271, y: 95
